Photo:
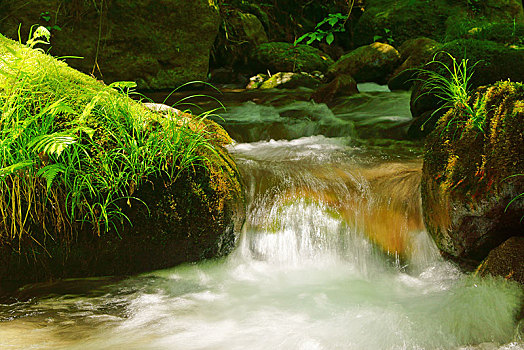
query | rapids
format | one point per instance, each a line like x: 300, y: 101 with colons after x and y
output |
x: 333, y: 254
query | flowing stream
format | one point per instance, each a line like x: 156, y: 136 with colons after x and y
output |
x: 333, y: 254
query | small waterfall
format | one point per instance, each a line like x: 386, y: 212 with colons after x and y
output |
x: 316, y: 200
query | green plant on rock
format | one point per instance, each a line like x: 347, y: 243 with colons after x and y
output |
x: 46, y: 17
x: 450, y: 83
x: 73, y: 158
x: 325, y: 29
x: 385, y: 37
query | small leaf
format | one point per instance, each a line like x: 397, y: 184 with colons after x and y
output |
x: 123, y: 85
x: 329, y: 39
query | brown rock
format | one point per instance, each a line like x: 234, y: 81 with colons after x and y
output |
x: 507, y: 260
x: 342, y: 85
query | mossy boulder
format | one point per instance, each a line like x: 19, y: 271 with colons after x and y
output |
x: 188, y: 207
x: 414, y: 54
x: 159, y: 44
x: 370, y: 63
x: 488, y: 61
x: 288, y: 80
x: 286, y: 57
x: 240, y: 32
x: 397, y: 21
x: 507, y: 260
x: 468, y: 181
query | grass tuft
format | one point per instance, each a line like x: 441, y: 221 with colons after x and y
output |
x: 73, y: 151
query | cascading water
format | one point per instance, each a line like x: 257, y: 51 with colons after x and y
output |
x: 333, y: 255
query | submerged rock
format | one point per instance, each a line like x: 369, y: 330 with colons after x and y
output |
x: 370, y: 63
x: 286, y: 57
x: 159, y: 44
x: 185, y: 208
x: 342, y: 85
x: 472, y: 172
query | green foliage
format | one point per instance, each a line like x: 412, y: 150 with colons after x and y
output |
x: 325, y: 29
x: 451, y: 84
x: 46, y: 17
x: 74, y: 151
x: 385, y: 38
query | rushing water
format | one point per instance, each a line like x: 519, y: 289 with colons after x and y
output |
x: 333, y: 255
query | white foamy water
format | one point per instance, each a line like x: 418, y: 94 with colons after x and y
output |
x: 316, y: 267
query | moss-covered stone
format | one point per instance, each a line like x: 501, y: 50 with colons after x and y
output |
x: 488, y: 62
x: 286, y: 57
x: 401, y: 20
x: 373, y: 63
x: 466, y: 183
x: 175, y: 219
x: 441, y: 20
x: 288, y: 80
x: 158, y: 44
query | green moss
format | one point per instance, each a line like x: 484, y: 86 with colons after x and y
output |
x: 180, y: 192
x: 285, y: 57
x: 466, y: 185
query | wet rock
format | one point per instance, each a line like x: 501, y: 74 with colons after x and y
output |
x: 256, y: 81
x: 342, y: 85
x: 370, y: 63
x: 158, y: 44
x: 414, y: 54
x: 466, y: 185
x: 285, y: 57
x: 288, y: 80
x: 496, y: 62
x: 507, y: 260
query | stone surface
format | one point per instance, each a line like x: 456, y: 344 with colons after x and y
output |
x: 414, y: 54
x: 507, y: 260
x: 466, y: 184
x: 342, y: 85
x: 285, y: 57
x: 370, y: 63
x: 159, y: 44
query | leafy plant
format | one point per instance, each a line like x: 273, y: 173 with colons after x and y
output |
x: 325, y: 29
x: 452, y: 86
x: 385, y: 37
x: 46, y: 17
x: 73, y: 158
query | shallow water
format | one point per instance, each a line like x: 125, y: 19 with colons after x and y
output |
x: 333, y: 255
